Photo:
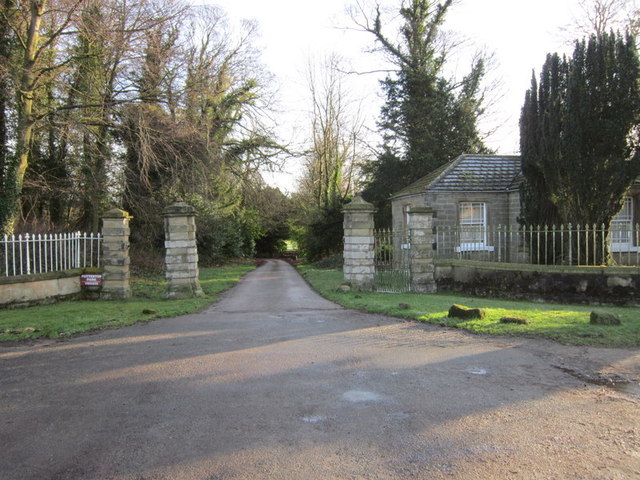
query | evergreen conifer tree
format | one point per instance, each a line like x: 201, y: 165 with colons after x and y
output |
x: 580, y: 134
x: 426, y: 119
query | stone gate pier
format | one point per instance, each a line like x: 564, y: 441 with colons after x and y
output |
x: 115, y: 255
x: 422, y: 254
x: 181, y: 252
x: 359, y: 254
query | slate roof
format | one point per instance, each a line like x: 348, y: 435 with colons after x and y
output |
x: 471, y: 173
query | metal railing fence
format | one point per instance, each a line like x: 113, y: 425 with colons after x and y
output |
x: 578, y: 245
x: 29, y: 254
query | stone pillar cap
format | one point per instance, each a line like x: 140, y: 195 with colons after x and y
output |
x: 116, y: 213
x: 359, y: 204
x: 179, y: 209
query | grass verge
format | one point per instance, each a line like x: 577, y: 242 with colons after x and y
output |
x: 65, y: 319
x: 567, y: 324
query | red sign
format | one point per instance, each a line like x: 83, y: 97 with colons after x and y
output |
x: 91, y: 280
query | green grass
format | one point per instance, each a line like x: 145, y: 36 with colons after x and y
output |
x: 147, y: 303
x: 568, y: 324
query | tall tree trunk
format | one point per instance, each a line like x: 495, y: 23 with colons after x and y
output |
x: 5, y: 58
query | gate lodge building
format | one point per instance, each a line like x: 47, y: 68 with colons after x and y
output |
x: 473, y: 192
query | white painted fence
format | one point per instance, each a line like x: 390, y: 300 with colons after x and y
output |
x: 30, y: 254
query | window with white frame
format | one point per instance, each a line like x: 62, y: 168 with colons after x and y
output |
x: 622, y: 227
x: 473, y: 226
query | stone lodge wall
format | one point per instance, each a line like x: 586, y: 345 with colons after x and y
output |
x: 445, y: 205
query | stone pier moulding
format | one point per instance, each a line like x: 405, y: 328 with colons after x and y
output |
x: 359, y: 254
x: 181, y: 252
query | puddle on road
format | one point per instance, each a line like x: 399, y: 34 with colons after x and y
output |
x: 359, y: 396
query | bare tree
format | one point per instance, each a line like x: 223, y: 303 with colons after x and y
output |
x: 198, y: 129
x: 601, y: 16
x: 132, y: 102
x: 336, y: 146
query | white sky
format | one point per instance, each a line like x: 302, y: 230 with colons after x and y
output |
x: 518, y: 32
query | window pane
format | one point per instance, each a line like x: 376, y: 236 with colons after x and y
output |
x: 625, y: 214
x: 472, y: 213
x: 622, y: 224
x: 472, y: 222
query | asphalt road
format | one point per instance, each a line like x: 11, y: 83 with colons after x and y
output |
x: 274, y: 382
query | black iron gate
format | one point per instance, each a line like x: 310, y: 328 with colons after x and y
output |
x: 392, y: 261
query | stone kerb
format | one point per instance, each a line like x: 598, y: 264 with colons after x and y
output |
x: 181, y: 252
x: 115, y: 254
x: 422, y: 257
x: 358, y: 254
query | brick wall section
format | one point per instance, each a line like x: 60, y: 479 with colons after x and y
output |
x: 358, y: 254
x: 181, y: 252
x: 115, y: 254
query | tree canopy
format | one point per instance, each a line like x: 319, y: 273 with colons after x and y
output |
x: 132, y: 104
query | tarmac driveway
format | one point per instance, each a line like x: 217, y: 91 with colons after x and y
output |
x: 274, y: 382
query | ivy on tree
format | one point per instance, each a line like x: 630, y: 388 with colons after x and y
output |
x: 427, y: 118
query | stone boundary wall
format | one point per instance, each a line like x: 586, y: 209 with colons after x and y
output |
x: 591, y: 285
x: 26, y: 290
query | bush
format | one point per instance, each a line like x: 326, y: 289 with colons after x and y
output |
x: 323, y: 236
x: 333, y: 262
x: 220, y: 238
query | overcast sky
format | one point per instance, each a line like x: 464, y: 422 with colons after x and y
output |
x: 518, y: 32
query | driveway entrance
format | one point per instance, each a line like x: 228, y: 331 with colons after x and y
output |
x: 274, y: 382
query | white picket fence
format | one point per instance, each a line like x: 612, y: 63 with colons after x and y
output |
x: 30, y: 254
